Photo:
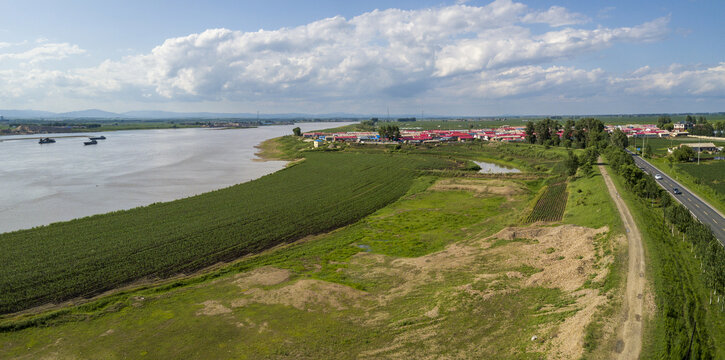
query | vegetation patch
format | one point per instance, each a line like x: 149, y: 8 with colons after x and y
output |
x: 87, y: 256
x: 551, y: 204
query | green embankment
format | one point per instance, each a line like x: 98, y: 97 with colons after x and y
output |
x: 87, y: 256
x: 682, y: 313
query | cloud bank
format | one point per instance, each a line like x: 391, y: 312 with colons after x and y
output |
x: 461, y: 51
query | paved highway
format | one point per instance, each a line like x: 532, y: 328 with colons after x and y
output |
x: 702, y: 211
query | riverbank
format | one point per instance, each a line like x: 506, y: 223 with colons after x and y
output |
x: 397, y: 282
x: 128, y: 169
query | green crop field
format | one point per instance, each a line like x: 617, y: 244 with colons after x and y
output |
x: 659, y: 145
x: 86, y: 256
x: 711, y: 173
x: 551, y: 204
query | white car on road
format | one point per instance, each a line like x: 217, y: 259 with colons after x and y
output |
x: 658, y: 177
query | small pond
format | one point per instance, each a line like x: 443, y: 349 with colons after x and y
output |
x: 489, y: 168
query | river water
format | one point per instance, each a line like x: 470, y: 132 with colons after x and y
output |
x: 42, y: 184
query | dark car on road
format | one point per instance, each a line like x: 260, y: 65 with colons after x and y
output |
x: 676, y: 191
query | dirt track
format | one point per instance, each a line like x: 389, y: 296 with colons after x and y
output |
x: 629, y: 339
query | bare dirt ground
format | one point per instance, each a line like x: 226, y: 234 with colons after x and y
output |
x: 480, y: 186
x: 567, y: 266
x: 629, y: 340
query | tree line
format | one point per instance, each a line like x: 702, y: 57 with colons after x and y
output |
x: 704, y: 244
x: 700, y: 125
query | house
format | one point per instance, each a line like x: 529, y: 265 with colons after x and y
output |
x: 698, y: 147
x: 682, y: 126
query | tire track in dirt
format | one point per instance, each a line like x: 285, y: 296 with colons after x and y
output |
x: 629, y: 339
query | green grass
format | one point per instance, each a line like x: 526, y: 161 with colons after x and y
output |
x: 681, y: 299
x: 166, y: 322
x: 86, y: 256
x: 589, y: 203
x: 711, y: 174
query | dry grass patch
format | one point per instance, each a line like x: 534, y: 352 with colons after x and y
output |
x: 480, y: 186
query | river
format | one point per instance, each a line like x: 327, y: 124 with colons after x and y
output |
x: 42, y: 184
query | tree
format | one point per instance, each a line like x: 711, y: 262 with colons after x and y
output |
x: 297, y: 131
x: 683, y: 154
x: 704, y: 129
x: 663, y: 120
x: 568, y: 130
x: 571, y: 163
x: 619, y: 138
x: 669, y: 127
x: 648, y: 150
x: 590, y: 155
x: 530, y: 133
x: 390, y: 132
x: 720, y: 128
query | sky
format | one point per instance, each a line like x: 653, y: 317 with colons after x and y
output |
x: 458, y: 58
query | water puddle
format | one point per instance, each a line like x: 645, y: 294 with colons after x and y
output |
x: 489, y: 168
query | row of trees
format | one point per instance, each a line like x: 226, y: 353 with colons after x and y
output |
x: 705, y: 245
x: 578, y: 134
x: 390, y: 132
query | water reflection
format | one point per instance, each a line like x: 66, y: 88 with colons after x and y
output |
x: 490, y: 168
x: 47, y: 183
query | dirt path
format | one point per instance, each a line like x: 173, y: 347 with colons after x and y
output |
x: 629, y: 339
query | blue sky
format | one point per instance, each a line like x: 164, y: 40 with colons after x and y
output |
x: 454, y: 58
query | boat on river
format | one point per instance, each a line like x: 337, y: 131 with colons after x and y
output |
x: 98, y: 138
x: 92, y: 142
x: 46, y: 141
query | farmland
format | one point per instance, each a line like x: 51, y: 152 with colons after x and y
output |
x: 403, y: 281
x: 659, y: 145
x: 710, y: 174
x: 550, y: 206
x: 87, y: 256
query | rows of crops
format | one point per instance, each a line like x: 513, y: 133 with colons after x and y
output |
x: 711, y: 173
x: 551, y: 204
x: 86, y: 256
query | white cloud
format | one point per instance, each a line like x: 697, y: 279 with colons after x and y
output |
x: 555, y: 16
x: 486, y: 52
x: 392, y: 52
x: 676, y: 80
x: 44, y: 52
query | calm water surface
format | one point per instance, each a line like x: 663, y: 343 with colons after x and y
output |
x: 42, y: 184
x: 490, y: 168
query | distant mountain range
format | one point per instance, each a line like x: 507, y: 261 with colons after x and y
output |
x: 137, y: 115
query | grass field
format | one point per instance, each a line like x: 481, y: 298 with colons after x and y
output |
x: 710, y: 174
x: 447, y: 269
